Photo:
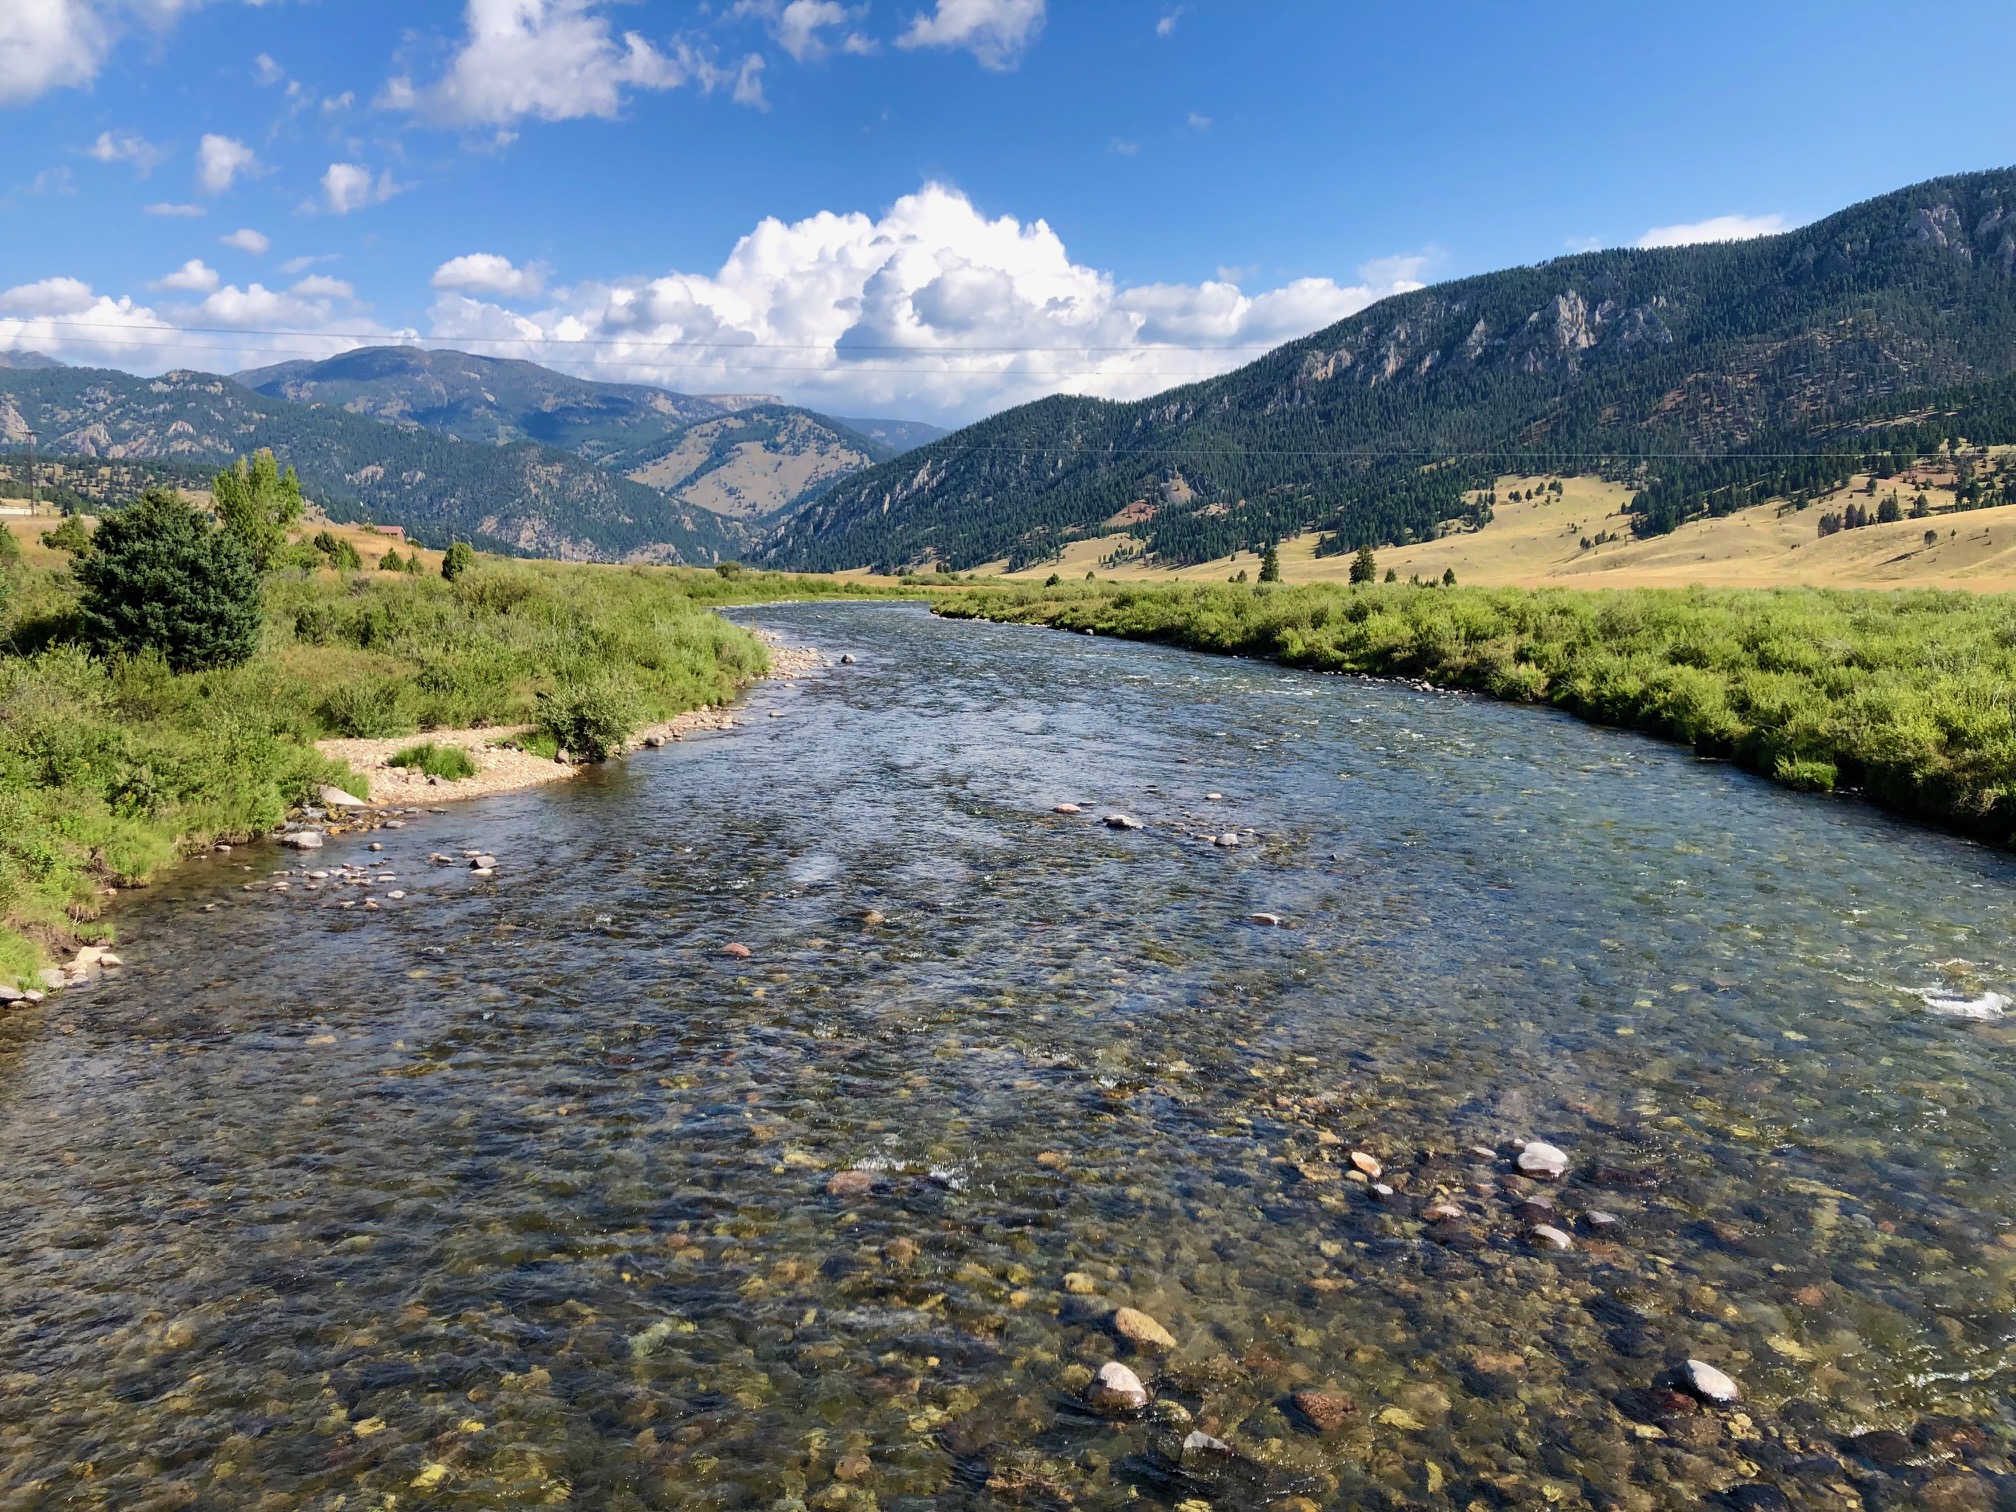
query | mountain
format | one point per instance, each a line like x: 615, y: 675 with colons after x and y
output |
x: 504, y: 496
x: 746, y: 456
x: 897, y: 435
x: 28, y: 361
x: 1688, y: 372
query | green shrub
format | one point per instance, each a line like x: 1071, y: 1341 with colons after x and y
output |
x: 70, y: 536
x: 341, y: 554
x: 451, y: 763
x: 392, y: 561
x: 590, y: 720
x: 459, y: 558
x: 161, y: 577
x: 368, y: 709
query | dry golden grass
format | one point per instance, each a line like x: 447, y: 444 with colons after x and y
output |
x: 1539, y: 544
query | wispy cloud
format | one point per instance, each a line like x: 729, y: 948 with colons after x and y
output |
x: 185, y: 211
x: 245, y: 239
x: 127, y: 147
x: 219, y: 161
x: 996, y: 32
x: 1718, y: 228
x: 1166, y: 27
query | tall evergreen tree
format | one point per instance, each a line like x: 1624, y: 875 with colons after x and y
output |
x: 162, y: 578
x: 1364, y: 567
x: 1270, y: 565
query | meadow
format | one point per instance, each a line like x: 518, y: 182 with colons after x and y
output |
x: 1904, y: 697
x: 113, y: 767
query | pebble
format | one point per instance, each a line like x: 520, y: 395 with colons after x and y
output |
x: 1200, y: 1443
x: 1137, y: 1327
x: 1122, y: 822
x: 377, y: 845
x: 483, y: 863
x: 1214, y: 797
x: 1325, y: 1410
x: 1444, y: 1212
x: 1267, y: 920
x: 1369, y: 1164
x: 1543, y: 1160
x: 1067, y: 808
x: 1552, y: 1237
x: 852, y: 1467
x: 221, y: 848
x: 654, y: 741
x: 1708, y: 1383
x: 850, y: 1183
x: 900, y: 1251
x: 846, y: 658
x: 1603, y: 1223
x: 1078, y: 1284
x: 1116, y: 1389
x: 483, y: 871
x: 1227, y: 840
x: 395, y: 896
x: 737, y: 950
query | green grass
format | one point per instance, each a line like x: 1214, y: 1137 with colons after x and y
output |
x: 1906, y: 697
x: 448, y: 762
x: 112, y: 769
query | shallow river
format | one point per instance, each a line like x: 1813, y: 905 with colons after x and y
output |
x: 515, y: 1192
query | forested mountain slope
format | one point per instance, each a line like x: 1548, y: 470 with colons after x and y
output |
x: 1638, y: 363
x: 521, y: 497
x: 747, y: 457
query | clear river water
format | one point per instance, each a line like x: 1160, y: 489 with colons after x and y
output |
x: 518, y: 1191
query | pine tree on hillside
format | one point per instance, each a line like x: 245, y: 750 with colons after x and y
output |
x: 1270, y: 565
x: 1364, y: 567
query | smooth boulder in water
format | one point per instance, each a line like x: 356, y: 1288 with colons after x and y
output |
x: 1709, y: 1384
x: 306, y: 839
x: 1137, y: 1327
x: 1543, y: 1161
x: 1122, y: 822
x: 1116, y: 1389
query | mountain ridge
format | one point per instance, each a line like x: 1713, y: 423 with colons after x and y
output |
x: 1381, y: 427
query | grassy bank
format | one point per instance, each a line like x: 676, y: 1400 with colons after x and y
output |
x: 1904, y: 696
x: 113, y: 766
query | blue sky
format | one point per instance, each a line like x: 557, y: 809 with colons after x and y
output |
x: 931, y: 208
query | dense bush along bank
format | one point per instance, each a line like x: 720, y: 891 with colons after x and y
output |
x: 112, y: 765
x: 1905, y: 696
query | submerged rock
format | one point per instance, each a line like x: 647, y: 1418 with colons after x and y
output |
x: 1137, y: 1327
x: 1122, y: 822
x: 1116, y: 1389
x: 736, y: 950
x: 1369, y: 1164
x: 850, y: 1183
x: 1325, y: 1411
x: 1549, y: 1237
x: 1067, y: 808
x: 1708, y: 1383
x: 846, y: 658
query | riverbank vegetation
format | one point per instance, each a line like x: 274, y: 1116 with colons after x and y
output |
x: 130, y: 736
x: 1905, y: 697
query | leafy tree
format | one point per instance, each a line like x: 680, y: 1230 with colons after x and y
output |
x: 392, y: 561
x: 1270, y: 565
x: 1392, y: 574
x: 1889, y: 512
x: 256, y: 502
x: 70, y: 536
x: 413, y: 562
x: 458, y: 559
x: 161, y: 577
x: 1052, y: 581
x: 729, y: 569
x: 1448, y: 577
x: 342, y: 555
x: 1363, y: 566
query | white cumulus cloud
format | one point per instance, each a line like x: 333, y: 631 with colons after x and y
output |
x: 997, y: 32
x: 800, y: 26
x: 489, y: 273
x: 193, y: 277
x: 1719, y: 228
x: 219, y: 161
x: 245, y: 239
x: 126, y: 147
x: 930, y: 308
x: 557, y: 60
x: 58, y: 44
x: 350, y: 186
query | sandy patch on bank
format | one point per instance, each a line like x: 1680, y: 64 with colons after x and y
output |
x: 500, y: 766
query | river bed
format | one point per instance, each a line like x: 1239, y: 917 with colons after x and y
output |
x: 519, y: 1191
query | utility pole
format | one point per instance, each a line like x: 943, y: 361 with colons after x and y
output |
x: 33, y: 510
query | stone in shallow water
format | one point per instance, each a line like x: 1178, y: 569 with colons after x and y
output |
x: 852, y: 1183
x: 853, y: 1467
x: 1122, y: 822
x: 1067, y: 808
x: 1708, y: 1383
x: 736, y: 949
x: 1369, y: 1164
x: 1138, y: 1328
x: 1543, y: 1161
x: 303, y: 839
x: 1549, y: 1237
x: 1757, y: 1496
x: 1325, y: 1411
x: 1078, y: 1284
x: 1116, y: 1389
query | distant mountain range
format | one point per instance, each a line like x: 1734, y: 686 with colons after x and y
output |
x: 508, y: 454
x: 1703, y: 375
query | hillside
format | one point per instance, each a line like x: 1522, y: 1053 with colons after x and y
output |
x: 1684, y: 373
x: 516, y: 498
x: 744, y: 456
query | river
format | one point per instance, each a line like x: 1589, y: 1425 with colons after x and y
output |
x: 518, y: 1191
